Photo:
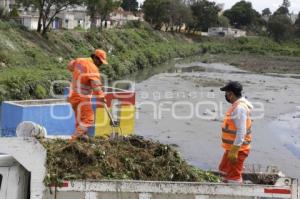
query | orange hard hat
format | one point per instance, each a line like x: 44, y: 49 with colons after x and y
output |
x: 101, y: 54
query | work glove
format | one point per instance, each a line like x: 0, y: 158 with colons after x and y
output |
x: 233, y: 154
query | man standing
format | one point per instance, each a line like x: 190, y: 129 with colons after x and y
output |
x: 86, y: 82
x: 236, y: 133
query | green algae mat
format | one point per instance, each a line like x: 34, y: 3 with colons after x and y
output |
x: 130, y: 158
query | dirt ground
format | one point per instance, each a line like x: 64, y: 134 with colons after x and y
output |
x: 185, y: 108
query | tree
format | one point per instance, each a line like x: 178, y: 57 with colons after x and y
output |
x: 14, y: 13
x: 297, y: 26
x: 156, y: 12
x: 279, y: 27
x: 106, y: 8
x: 48, y: 10
x: 177, y: 15
x: 130, y: 5
x: 286, y: 3
x: 266, y: 12
x: 205, y: 14
x: 223, y: 21
x: 93, y: 8
x: 186, y: 16
x: 297, y: 22
x: 282, y: 11
x: 242, y: 14
x: 174, y: 14
x: 100, y: 9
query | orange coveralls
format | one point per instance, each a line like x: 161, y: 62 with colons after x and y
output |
x: 86, y: 82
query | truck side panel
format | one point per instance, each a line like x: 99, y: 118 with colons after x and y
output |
x: 173, y: 190
x: 110, y: 195
x: 92, y: 195
x: 65, y: 195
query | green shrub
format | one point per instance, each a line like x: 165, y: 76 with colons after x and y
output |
x: 40, y: 92
x: 3, y: 57
x: 138, y: 25
x: 243, y: 40
x: 3, y: 92
x: 30, y: 53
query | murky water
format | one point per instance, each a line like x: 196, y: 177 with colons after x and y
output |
x: 287, y: 129
x: 276, y: 135
x: 151, y: 71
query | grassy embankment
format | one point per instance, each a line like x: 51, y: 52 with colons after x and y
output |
x: 32, y: 62
x: 256, y: 54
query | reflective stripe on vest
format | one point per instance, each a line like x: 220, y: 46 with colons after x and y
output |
x: 226, y: 130
x: 229, y: 130
x: 231, y: 142
x: 81, y: 88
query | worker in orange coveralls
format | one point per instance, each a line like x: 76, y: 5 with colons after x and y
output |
x: 236, y: 133
x: 86, y: 82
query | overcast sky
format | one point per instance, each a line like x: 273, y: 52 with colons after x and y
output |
x: 259, y: 5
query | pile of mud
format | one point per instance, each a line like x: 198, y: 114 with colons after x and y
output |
x: 132, y: 158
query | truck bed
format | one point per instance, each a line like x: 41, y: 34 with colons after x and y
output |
x: 32, y: 156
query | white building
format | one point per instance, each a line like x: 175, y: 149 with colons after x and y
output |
x: 225, y: 32
x: 31, y: 22
x: 120, y: 17
x: 68, y: 19
x: 73, y: 17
